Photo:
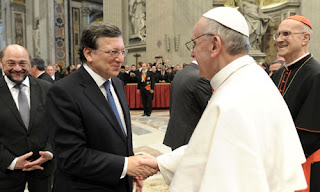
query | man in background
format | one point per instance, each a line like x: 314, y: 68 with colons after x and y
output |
x: 146, y: 85
x: 51, y: 72
x: 38, y: 69
x: 189, y: 96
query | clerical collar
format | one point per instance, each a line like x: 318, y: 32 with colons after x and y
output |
x: 287, y: 65
x: 298, y: 62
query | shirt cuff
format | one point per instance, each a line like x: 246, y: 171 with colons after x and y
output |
x: 13, y: 164
x: 50, y: 154
x: 125, y: 167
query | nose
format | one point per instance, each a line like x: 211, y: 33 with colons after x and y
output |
x: 120, y: 58
x: 17, y: 67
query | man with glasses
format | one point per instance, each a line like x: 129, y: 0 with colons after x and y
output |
x: 299, y: 84
x: 240, y: 143
x: 90, y: 118
x: 25, y: 150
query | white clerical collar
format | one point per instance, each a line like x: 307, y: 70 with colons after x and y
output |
x: 96, y: 77
x: 11, y: 84
x: 230, y: 68
x: 287, y: 65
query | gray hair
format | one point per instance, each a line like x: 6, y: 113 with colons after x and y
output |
x: 235, y: 42
x: 91, y: 35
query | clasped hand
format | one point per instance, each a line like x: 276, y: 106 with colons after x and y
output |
x: 142, y: 166
x: 27, y: 165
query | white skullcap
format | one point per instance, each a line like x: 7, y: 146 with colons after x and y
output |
x: 229, y: 17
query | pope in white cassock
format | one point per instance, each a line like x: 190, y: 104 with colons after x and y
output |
x: 245, y: 140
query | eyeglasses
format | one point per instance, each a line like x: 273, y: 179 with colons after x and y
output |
x: 191, y: 44
x: 13, y: 64
x: 285, y: 34
x: 116, y: 53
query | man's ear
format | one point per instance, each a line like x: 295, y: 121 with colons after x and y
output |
x: 87, y: 52
x: 216, y: 43
x: 306, y: 38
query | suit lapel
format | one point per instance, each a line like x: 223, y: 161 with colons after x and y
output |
x: 34, y: 100
x: 92, y: 91
x: 6, y: 96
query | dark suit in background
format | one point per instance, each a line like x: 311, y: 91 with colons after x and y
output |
x: 16, y: 140
x: 189, y: 95
x: 164, y: 76
x: 146, y: 96
x: 46, y: 77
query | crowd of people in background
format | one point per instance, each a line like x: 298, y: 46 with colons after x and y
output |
x: 162, y: 72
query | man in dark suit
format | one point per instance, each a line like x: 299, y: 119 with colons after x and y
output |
x: 189, y: 95
x: 24, y: 146
x: 38, y: 70
x: 90, y: 117
x: 164, y: 78
x: 156, y: 74
x: 146, y: 88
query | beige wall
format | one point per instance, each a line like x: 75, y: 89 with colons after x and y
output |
x: 310, y: 8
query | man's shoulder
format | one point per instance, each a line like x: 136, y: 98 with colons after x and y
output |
x: 40, y: 82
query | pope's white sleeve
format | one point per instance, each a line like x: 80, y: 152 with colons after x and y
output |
x: 169, y: 162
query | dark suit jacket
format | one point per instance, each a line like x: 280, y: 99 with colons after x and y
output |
x: 45, y: 76
x: 164, y: 77
x: 15, y: 139
x: 89, y: 144
x: 189, y: 95
x: 133, y: 79
x: 156, y: 76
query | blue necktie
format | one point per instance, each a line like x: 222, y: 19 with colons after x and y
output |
x: 113, y: 104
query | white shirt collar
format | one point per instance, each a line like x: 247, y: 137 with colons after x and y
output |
x: 96, y: 77
x: 230, y: 68
x: 11, y: 84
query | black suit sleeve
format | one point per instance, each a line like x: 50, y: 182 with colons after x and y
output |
x: 203, y: 92
x: 74, y: 153
x: 5, y: 158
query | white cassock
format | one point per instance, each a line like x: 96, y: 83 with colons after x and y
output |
x: 245, y: 140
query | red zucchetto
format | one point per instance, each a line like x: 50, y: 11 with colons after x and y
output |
x: 300, y: 18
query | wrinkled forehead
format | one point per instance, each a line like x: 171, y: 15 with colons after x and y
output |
x: 16, y: 53
x: 290, y: 25
x: 198, y: 27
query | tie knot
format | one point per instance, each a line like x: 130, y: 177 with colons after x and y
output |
x: 18, y: 86
x: 107, y: 85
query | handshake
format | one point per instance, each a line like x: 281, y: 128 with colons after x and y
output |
x: 142, y: 166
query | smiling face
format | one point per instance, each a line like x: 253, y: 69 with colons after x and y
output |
x: 16, y: 63
x: 102, y: 63
x: 294, y: 45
